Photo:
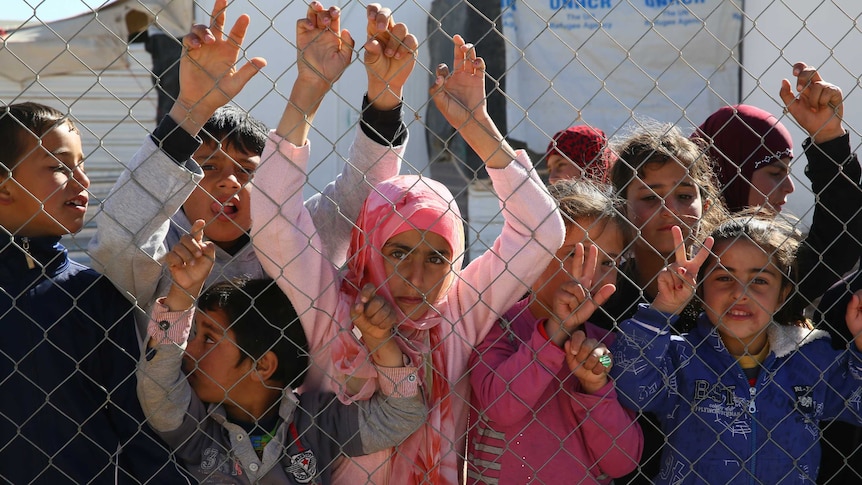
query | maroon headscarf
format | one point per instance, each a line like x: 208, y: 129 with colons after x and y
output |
x: 587, y: 147
x: 742, y: 139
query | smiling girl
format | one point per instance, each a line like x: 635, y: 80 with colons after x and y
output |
x: 750, y: 379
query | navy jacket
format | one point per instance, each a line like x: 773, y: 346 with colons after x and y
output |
x: 67, y: 375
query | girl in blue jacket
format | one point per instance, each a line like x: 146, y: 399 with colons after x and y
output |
x: 740, y: 396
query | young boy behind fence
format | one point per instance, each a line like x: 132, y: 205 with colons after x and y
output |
x: 244, y: 423
x: 69, y: 348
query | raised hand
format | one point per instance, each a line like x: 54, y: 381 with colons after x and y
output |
x: 575, y: 301
x: 209, y: 76
x: 676, y: 283
x: 460, y: 97
x: 818, y: 107
x: 589, y: 360
x: 324, y: 50
x: 390, y: 55
x: 190, y: 263
x: 854, y: 318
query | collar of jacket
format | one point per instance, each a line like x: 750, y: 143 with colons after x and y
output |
x: 20, y: 256
x: 783, y: 339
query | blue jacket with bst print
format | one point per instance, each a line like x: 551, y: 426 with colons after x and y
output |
x: 719, y: 428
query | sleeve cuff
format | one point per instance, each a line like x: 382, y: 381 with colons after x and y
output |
x: 398, y: 381
x: 384, y: 127
x: 174, y: 141
x: 167, y: 327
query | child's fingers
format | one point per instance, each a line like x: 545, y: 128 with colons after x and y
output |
x: 250, y: 69
x: 829, y: 96
x: 393, y: 44
x: 458, y: 59
x: 478, y: 65
x: 366, y: 293
x: 442, y: 72
x: 237, y: 32
x: 575, y: 342
x: 601, y: 297
x: 334, y: 19
x: 199, y: 35
x: 786, y: 93
x: 805, y: 76
x: 219, y: 16
x: 173, y: 260
x: 379, y: 19
x: 408, y: 46
x: 701, y: 255
x: 589, y: 270
x: 197, y: 231
x: 321, y: 17
x: 679, y: 245
x: 180, y: 257
x: 380, y: 313
x: 576, y: 270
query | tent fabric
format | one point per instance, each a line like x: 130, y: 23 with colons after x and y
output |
x: 90, y: 42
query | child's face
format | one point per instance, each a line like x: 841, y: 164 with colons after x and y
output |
x: 416, y: 264
x: 608, y: 239
x: 47, y: 193
x: 561, y: 168
x: 741, y: 293
x: 212, y: 362
x: 771, y: 185
x: 223, y: 197
x: 683, y: 205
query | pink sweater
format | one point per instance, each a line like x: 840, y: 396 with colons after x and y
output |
x: 534, y: 425
x: 288, y: 247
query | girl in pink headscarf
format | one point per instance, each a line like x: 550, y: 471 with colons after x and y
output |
x: 408, y: 246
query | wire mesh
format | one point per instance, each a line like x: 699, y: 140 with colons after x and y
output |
x: 731, y: 378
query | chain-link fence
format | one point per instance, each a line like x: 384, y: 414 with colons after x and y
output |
x: 728, y: 376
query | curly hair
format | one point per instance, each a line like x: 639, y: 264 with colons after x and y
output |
x: 654, y: 144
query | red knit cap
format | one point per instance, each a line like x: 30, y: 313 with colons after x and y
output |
x: 743, y: 139
x: 586, y: 147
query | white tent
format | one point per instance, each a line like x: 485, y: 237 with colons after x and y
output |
x: 90, y: 42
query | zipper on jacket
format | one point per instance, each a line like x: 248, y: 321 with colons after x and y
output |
x: 752, y: 410
x: 25, y: 245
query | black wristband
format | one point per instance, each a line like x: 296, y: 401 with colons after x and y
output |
x: 176, y: 142
x: 384, y: 127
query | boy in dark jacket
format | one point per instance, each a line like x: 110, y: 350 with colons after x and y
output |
x: 68, y: 410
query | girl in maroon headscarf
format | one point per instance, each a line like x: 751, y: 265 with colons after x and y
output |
x: 752, y: 151
x: 579, y: 152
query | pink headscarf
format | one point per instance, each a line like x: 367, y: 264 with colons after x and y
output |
x: 586, y: 147
x: 743, y: 139
x: 397, y: 205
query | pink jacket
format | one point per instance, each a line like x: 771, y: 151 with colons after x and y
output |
x: 288, y: 247
x: 529, y: 421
